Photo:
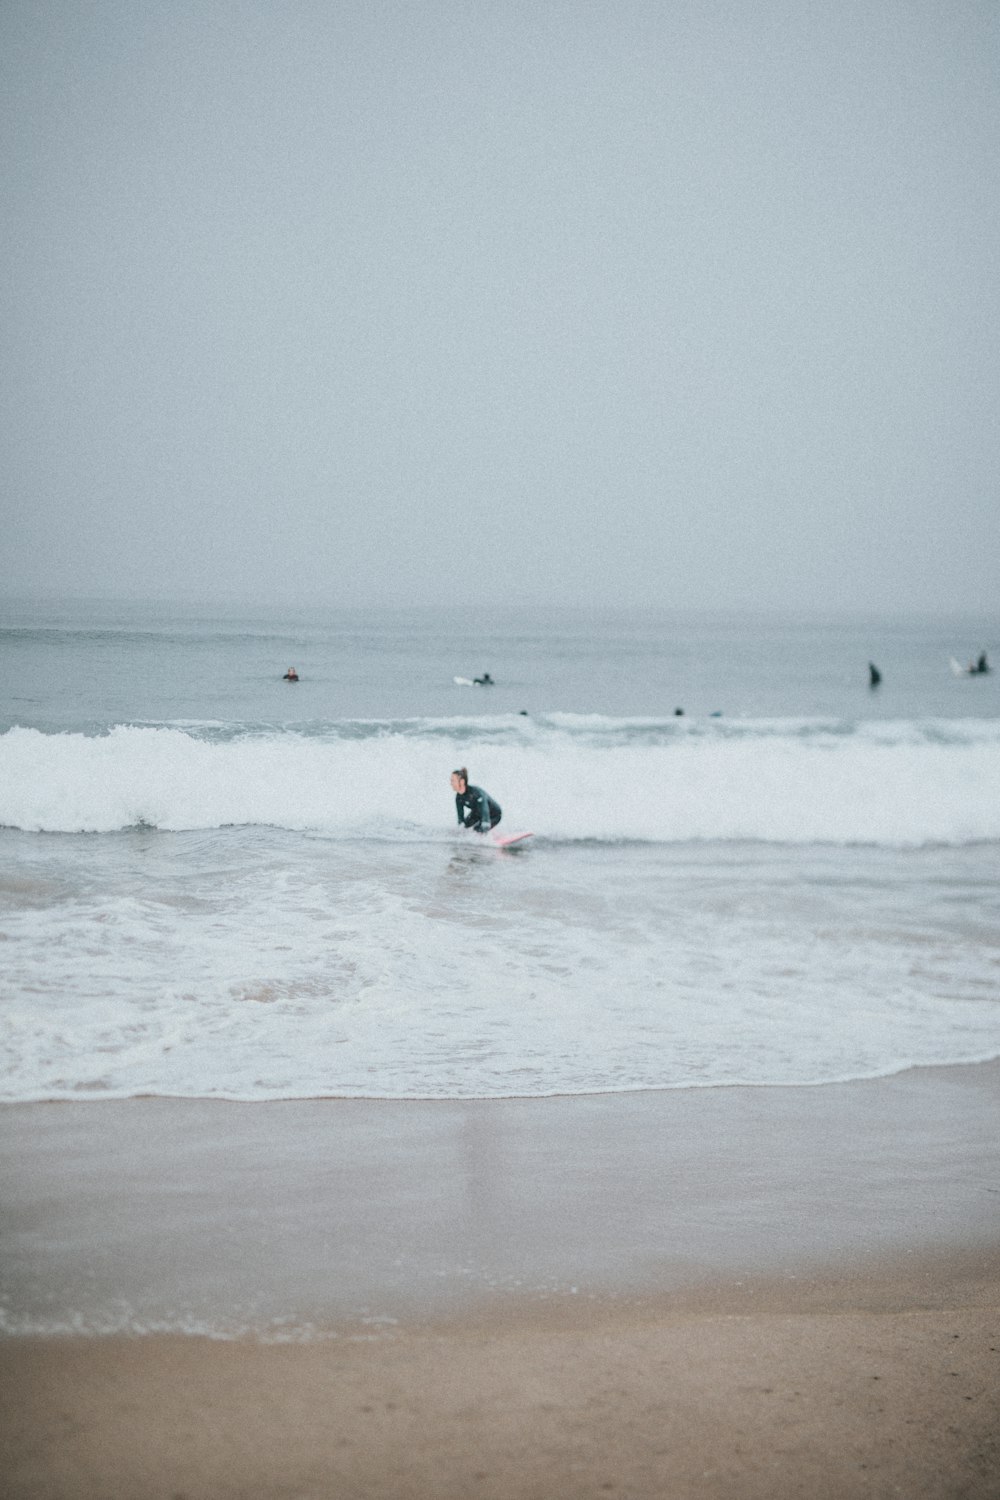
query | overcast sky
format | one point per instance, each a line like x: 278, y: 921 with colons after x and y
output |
x: 673, y: 302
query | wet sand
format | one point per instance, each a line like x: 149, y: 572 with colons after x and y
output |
x: 716, y: 1293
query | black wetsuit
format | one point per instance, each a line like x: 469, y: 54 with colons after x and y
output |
x: 476, y: 810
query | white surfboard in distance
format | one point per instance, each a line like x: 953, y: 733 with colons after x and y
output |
x: 464, y: 681
x: 957, y: 668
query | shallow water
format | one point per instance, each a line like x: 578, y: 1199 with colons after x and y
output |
x: 214, y: 885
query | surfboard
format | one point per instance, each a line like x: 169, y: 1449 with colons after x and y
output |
x: 958, y: 669
x: 504, y: 840
x: 464, y: 681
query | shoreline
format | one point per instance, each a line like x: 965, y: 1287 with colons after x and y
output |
x: 226, y: 1217
x: 84, y: 1099
x: 755, y: 1294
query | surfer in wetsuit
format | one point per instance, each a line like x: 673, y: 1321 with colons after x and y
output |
x: 475, y: 809
x: 291, y: 675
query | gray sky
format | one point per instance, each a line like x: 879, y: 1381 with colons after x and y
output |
x: 674, y: 302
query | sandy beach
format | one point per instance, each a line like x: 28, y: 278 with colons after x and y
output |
x: 704, y: 1293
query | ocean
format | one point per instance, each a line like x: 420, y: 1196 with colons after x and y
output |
x: 219, y: 884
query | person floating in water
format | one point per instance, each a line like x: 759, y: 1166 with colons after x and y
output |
x: 475, y: 809
x: 875, y: 676
x: 975, y: 668
x: 485, y: 681
x: 291, y: 675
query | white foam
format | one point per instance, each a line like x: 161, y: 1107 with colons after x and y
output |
x: 264, y: 966
x: 799, y: 782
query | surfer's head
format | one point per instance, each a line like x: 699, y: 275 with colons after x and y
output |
x: 460, y: 779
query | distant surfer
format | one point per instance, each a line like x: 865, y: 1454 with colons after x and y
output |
x: 485, y: 681
x: 475, y: 809
x: 975, y: 668
x: 291, y: 675
x: 874, y: 675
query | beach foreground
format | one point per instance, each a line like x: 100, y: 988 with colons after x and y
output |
x: 895, y: 1399
x: 710, y: 1293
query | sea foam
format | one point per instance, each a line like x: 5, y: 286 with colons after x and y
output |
x: 614, y: 780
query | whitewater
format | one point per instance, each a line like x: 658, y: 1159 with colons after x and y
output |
x: 214, y: 886
x: 571, y: 778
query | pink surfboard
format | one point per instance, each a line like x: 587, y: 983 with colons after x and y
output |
x: 504, y: 840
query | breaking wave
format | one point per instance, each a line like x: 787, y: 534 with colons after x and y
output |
x: 567, y: 777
